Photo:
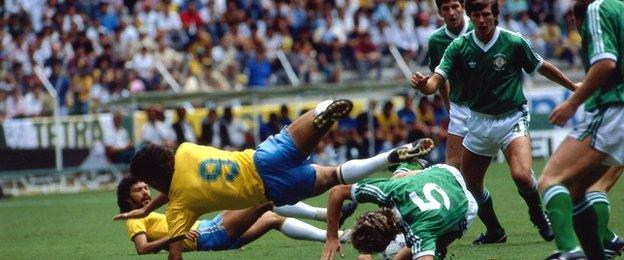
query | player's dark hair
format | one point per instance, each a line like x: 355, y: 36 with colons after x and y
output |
x: 579, y: 9
x: 123, y: 193
x: 479, y: 5
x: 154, y: 165
x: 374, y: 230
x: 439, y: 3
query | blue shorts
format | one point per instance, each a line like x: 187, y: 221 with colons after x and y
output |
x: 287, y: 175
x: 212, y: 236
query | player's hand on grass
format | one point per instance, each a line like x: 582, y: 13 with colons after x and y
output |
x: 137, y: 213
x: 419, y: 80
x: 562, y: 113
x: 332, y: 247
x: 192, y: 235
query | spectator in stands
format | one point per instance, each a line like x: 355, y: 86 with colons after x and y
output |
x: 16, y: 106
x: 367, y: 56
x: 284, y: 116
x: 80, y: 86
x: 407, y: 114
x: 36, y: 102
x: 191, y: 19
x: 424, y: 112
x: 232, y: 130
x: 330, y: 59
x: 61, y: 83
x: 119, y: 146
x: 388, y: 119
x: 183, y: 129
x: 143, y: 63
x: 270, y: 127
x: 404, y: 38
x: 155, y: 131
x: 551, y: 34
x: 210, y: 129
x: 259, y: 69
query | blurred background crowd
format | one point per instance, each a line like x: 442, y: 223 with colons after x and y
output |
x: 96, y: 51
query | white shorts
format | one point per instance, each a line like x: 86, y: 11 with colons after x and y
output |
x: 606, y: 129
x: 473, y: 206
x: 487, y: 134
x: 459, y: 115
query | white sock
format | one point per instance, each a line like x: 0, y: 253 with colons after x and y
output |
x: 320, y: 107
x: 301, y: 210
x: 297, y: 229
x: 354, y: 170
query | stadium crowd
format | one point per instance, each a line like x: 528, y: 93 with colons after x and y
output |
x: 350, y: 140
x: 96, y: 51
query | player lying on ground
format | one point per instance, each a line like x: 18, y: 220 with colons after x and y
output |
x: 491, y: 61
x: 202, y: 179
x: 595, y: 144
x: 431, y: 207
x: 230, y: 229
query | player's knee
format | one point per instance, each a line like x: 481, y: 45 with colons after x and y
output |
x: 545, y: 181
x: 272, y: 219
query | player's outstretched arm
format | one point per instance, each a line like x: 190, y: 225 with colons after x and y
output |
x: 427, y: 84
x: 144, y: 247
x: 337, y: 196
x: 598, y: 73
x: 554, y: 74
x: 160, y: 200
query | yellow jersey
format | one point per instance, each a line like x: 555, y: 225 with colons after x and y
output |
x: 207, y: 179
x: 154, y: 226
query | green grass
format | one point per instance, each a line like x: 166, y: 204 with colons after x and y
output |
x: 79, y: 226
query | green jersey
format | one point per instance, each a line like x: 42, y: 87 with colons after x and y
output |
x: 491, y: 71
x: 603, y: 38
x: 438, y: 42
x: 429, y: 204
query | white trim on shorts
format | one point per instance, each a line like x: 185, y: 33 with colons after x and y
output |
x: 606, y: 130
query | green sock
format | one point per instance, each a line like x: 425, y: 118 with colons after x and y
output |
x: 602, y: 208
x: 559, y: 209
x: 600, y: 203
x: 586, y: 226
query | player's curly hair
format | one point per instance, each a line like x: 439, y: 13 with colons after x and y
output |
x: 123, y: 193
x: 154, y: 165
x: 478, y: 5
x: 374, y: 230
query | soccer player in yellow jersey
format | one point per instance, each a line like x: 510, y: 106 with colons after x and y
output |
x: 202, y: 179
x: 229, y: 230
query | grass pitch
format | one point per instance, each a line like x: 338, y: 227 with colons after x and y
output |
x: 79, y: 226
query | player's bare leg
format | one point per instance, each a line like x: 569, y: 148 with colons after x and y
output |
x: 519, y: 158
x: 237, y: 222
x: 291, y: 227
x: 454, y: 148
x: 572, y: 161
x: 473, y: 168
x: 308, y: 129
